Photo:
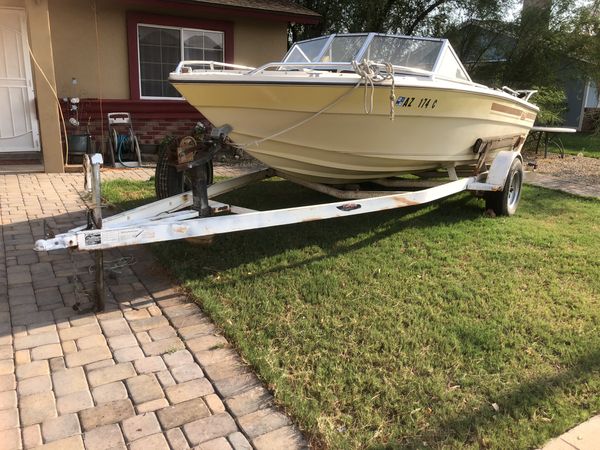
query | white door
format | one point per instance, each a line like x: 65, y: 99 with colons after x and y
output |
x: 19, y: 130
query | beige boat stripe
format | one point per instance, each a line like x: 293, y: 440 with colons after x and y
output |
x: 506, y: 109
x: 523, y: 115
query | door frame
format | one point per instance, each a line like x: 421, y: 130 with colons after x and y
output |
x: 35, y: 129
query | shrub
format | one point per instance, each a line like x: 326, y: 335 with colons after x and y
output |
x: 552, y: 102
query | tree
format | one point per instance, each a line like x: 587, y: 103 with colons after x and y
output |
x: 549, y: 44
x: 430, y: 17
x: 551, y: 47
x: 542, y: 46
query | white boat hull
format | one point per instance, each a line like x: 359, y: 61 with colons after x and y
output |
x: 436, y: 125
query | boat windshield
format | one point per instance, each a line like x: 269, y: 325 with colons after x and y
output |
x: 432, y: 55
x: 340, y: 48
x: 401, y: 51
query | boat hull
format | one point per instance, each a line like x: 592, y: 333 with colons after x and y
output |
x: 433, y: 127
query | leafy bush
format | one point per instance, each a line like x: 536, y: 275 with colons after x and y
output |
x: 552, y: 102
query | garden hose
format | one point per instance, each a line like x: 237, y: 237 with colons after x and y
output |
x: 123, y: 140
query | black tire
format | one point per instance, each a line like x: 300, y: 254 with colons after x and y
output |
x: 168, y: 181
x: 505, y: 203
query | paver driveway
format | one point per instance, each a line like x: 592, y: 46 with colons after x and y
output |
x: 150, y: 372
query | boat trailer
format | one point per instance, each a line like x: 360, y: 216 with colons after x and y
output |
x: 195, y: 214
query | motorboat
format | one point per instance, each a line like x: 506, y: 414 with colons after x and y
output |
x: 348, y: 108
x: 335, y: 112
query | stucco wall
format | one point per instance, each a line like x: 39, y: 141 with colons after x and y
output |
x: 75, y: 55
x: 74, y: 42
x: 13, y: 3
x: 257, y: 43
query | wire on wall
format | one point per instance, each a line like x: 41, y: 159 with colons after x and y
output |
x: 62, y: 117
x: 99, y: 74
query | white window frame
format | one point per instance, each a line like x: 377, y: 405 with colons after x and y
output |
x: 181, y: 55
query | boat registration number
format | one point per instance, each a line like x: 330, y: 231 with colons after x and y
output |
x: 414, y: 102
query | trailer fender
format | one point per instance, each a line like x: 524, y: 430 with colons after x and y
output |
x: 501, y: 167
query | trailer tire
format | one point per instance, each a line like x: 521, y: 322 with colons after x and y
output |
x: 168, y: 181
x: 505, y: 202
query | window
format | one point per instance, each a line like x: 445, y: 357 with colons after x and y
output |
x: 450, y: 67
x: 161, y: 48
x: 157, y: 43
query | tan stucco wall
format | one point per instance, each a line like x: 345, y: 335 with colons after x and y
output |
x: 74, y: 43
x: 75, y: 49
x: 256, y: 43
x: 12, y: 3
x: 38, y: 24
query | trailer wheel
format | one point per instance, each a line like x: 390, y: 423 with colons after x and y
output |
x: 168, y: 181
x: 505, y: 203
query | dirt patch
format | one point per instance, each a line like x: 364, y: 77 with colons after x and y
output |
x: 580, y: 169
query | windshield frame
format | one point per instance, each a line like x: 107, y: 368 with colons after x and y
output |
x: 445, y: 47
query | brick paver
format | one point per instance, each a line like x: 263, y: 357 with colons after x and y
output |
x: 109, y: 392
x: 183, y: 413
x: 151, y: 371
x: 61, y: 427
x: 140, y: 426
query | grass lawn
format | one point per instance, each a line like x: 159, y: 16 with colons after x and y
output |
x: 587, y: 144
x: 424, y: 327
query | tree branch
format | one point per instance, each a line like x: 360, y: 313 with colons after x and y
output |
x: 383, y: 14
x: 410, y: 30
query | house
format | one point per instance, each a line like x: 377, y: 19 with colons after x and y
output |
x: 483, y: 49
x: 115, y: 55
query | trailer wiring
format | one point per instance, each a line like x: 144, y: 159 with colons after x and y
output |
x: 55, y: 94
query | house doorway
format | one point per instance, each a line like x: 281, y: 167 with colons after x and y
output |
x: 19, y: 131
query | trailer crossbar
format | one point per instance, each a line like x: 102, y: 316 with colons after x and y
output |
x: 178, y: 202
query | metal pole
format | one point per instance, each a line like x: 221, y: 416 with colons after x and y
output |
x: 200, y: 190
x: 100, y: 292
x: 87, y: 173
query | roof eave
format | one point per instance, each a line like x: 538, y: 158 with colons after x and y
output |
x: 195, y: 6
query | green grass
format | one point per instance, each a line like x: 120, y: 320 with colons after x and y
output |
x: 587, y: 144
x: 401, y: 329
x: 125, y: 194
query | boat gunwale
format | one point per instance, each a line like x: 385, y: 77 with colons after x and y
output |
x: 461, y: 88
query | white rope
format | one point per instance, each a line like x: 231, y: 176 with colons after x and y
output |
x: 302, y: 122
x: 389, y: 68
x: 368, y: 73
